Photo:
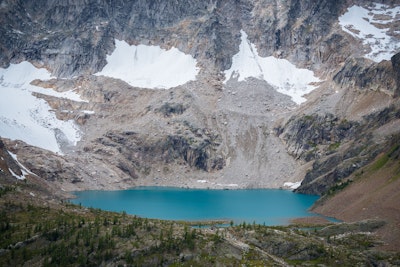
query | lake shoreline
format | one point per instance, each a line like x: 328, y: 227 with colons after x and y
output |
x: 260, y: 206
x: 198, y: 184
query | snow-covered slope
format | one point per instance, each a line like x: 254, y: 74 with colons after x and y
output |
x: 149, y: 66
x: 28, y: 118
x: 371, y: 26
x: 283, y: 75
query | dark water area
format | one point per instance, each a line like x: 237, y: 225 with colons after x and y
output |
x: 262, y: 206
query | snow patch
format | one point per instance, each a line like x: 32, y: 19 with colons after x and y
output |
x: 28, y: 118
x: 217, y: 184
x: 90, y: 112
x: 19, y: 177
x: 149, y: 66
x: 361, y: 22
x: 24, y: 170
x: 228, y: 185
x: 283, y: 75
x: 292, y: 185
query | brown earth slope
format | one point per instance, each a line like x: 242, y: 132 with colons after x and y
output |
x: 373, y: 194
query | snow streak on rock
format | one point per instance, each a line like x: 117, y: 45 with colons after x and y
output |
x: 24, y: 170
x: 149, y: 66
x: 28, y: 118
x: 291, y: 185
x: 371, y: 25
x: 283, y: 75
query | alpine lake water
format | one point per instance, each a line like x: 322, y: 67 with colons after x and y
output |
x: 261, y: 206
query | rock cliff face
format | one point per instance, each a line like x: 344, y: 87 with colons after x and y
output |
x: 396, y: 68
x: 224, y: 134
x: 362, y: 74
x: 338, y: 146
x: 72, y: 38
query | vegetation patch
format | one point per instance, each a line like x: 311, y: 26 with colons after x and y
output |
x: 170, y: 109
x: 38, y: 233
x: 383, y: 159
x: 339, y: 187
x: 333, y: 146
x: 380, y: 162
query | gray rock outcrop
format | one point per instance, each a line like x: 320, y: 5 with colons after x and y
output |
x: 396, y: 69
x: 336, y: 147
x: 72, y: 38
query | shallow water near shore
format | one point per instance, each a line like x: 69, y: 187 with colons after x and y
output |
x: 262, y: 206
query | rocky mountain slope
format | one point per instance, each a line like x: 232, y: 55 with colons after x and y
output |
x: 239, y: 122
x: 37, y: 229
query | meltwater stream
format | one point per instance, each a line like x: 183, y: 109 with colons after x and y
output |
x: 262, y: 206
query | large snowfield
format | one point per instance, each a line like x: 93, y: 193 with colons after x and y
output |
x: 28, y: 118
x: 362, y: 23
x: 149, y: 66
x: 283, y: 75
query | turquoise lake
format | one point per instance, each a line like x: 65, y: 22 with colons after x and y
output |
x: 263, y: 206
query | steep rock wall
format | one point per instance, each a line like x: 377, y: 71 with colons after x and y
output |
x: 73, y: 37
x: 396, y: 69
x: 362, y: 74
x: 336, y: 147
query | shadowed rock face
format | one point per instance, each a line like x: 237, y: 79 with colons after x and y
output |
x: 303, y: 135
x: 396, y: 69
x: 363, y: 74
x: 197, y: 151
x: 73, y: 37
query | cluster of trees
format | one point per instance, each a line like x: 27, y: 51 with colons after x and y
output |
x: 67, y: 235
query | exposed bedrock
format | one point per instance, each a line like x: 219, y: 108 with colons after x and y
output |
x: 337, y: 147
x: 396, y: 69
x: 72, y: 38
